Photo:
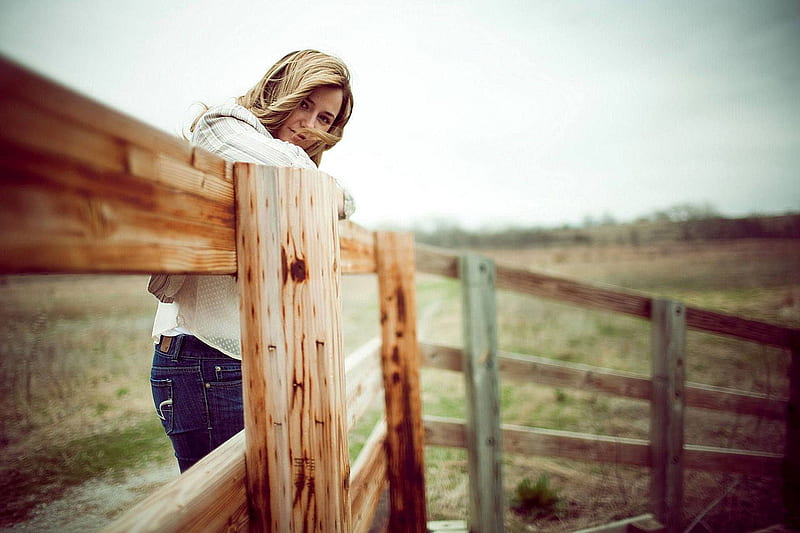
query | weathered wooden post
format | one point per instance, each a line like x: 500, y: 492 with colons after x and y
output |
x: 484, y: 444
x: 667, y: 408
x: 791, y: 461
x: 401, y: 381
x: 295, y: 427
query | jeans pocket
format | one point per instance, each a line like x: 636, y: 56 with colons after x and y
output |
x: 228, y: 372
x: 163, y: 399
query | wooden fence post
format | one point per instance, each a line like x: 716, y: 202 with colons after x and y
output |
x: 791, y: 460
x: 667, y: 408
x: 483, y: 402
x: 295, y: 426
x: 401, y: 367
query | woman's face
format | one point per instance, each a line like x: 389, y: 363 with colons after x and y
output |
x: 317, y: 111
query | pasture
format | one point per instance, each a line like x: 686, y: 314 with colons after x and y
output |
x: 76, y: 401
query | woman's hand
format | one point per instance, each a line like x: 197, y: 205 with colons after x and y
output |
x: 345, y: 203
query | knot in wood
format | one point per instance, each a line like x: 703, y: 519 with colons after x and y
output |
x: 298, y: 270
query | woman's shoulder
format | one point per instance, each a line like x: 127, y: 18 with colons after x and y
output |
x: 233, y: 132
x: 231, y: 111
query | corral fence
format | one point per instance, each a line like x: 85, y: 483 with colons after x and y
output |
x: 88, y: 190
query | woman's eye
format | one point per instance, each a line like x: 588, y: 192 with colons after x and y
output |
x: 303, y: 105
x: 325, y: 119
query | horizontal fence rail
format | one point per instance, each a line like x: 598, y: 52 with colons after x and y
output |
x: 88, y: 189
x: 534, y: 369
x: 451, y: 432
x: 592, y: 296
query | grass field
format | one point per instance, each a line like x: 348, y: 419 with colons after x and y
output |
x: 76, y: 402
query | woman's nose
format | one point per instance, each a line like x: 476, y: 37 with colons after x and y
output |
x: 307, y: 120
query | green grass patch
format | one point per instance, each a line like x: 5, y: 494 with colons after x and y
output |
x: 537, y: 500
x: 45, y: 473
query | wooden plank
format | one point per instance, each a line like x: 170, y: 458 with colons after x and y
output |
x: 364, y: 387
x: 401, y: 367
x: 210, y: 496
x: 791, y: 465
x: 531, y: 368
x: 149, y: 215
x: 565, y: 290
x: 58, y: 101
x: 484, y: 444
x: 114, y: 222
x: 592, y: 296
x: 368, y: 479
x: 748, y: 462
x: 80, y: 199
x: 739, y: 327
x: 433, y: 260
x: 209, y: 163
x: 292, y: 365
x: 735, y: 401
x: 666, y: 412
x: 524, y: 440
x: 357, y: 246
x: 29, y: 129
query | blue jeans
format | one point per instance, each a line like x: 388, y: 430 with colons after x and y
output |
x: 197, y: 391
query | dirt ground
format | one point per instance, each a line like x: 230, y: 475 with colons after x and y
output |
x: 96, y: 503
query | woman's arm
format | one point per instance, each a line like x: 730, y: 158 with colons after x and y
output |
x: 236, y: 134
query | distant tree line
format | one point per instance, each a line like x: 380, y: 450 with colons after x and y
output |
x: 454, y: 236
x: 786, y: 227
x: 686, y: 222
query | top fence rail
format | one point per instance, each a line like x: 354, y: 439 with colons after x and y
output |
x: 88, y: 189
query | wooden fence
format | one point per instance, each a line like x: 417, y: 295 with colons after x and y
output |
x: 665, y: 452
x: 87, y: 189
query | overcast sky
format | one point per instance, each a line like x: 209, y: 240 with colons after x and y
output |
x: 479, y: 112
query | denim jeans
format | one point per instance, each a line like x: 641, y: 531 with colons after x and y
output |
x: 197, y: 391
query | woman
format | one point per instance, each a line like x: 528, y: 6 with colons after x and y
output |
x: 296, y: 112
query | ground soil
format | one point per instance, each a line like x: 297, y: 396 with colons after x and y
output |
x: 95, y: 504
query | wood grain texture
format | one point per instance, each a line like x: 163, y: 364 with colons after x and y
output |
x: 66, y: 104
x: 357, y: 246
x: 292, y: 366
x: 87, y: 189
x: 401, y: 381
x: 521, y: 368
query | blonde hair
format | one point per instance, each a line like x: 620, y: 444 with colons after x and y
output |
x: 288, y: 82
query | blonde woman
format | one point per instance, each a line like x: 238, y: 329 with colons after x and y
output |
x: 296, y: 112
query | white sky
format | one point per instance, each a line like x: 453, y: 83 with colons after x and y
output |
x: 485, y: 113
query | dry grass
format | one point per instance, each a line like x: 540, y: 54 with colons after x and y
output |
x: 76, y: 354
x: 755, y: 279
